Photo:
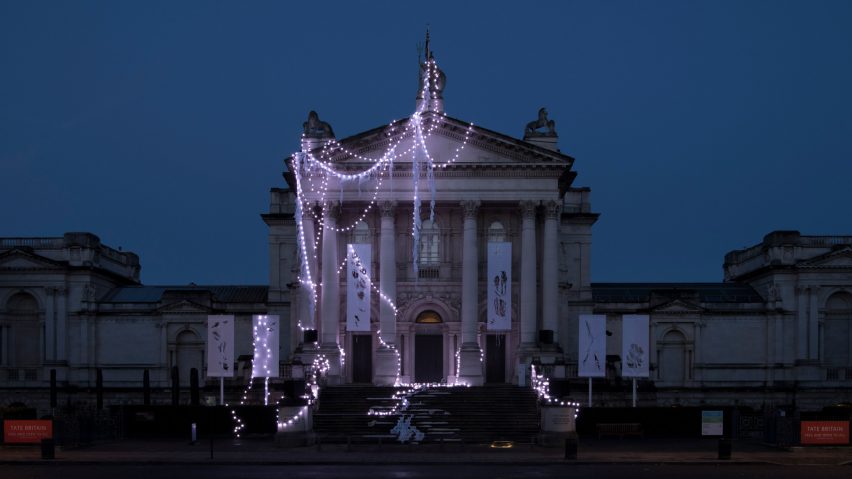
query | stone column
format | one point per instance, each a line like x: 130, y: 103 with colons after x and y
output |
x: 61, y: 323
x: 813, y: 326
x: 549, y: 265
x: 50, y: 324
x: 470, y: 367
x: 308, y: 320
x: 387, y: 362
x: 528, y: 277
x: 802, y: 320
x: 330, y: 292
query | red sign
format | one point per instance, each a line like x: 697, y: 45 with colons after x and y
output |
x: 825, y: 432
x: 20, y: 431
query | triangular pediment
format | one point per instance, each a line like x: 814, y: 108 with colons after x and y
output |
x: 449, y: 140
x: 20, y: 260
x: 677, y: 306
x: 489, y: 162
x: 184, y: 307
x: 841, y: 258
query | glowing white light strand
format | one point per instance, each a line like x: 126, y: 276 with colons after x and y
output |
x: 307, y: 164
x: 319, y: 367
x: 541, y: 385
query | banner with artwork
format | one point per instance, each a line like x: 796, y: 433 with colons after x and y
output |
x: 592, y: 347
x: 499, y: 283
x: 265, y: 333
x: 359, y: 257
x: 220, y: 346
x: 634, y: 346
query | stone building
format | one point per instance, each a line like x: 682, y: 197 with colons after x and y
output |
x: 429, y: 194
x: 74, y: 306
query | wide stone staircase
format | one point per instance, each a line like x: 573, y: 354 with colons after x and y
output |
x: 452, y: 414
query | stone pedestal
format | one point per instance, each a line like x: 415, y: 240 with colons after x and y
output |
x: 548, y: 142
x: 300, y: 432
x: 557, y: 425
x: 386, y: 367
x: 334, y: 375
x: 470, y: 365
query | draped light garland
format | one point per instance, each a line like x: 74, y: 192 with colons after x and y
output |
x: 313, y: 169
x: 541, y: 385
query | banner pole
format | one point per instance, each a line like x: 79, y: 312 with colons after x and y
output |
x: 590, y: 391
x: 634, y: 392
x: 221, y: 391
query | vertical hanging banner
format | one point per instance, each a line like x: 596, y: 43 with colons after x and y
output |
x: 591, y: 362
x: 499, y: 283
x: 634, y: 346
x: 265, y: 333
x: 220, y: 346
x: 358, y: 287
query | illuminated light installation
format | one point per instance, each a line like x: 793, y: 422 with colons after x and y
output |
x: 313, y: 173
x: 541, y: 385
x: 265, y: 362
x: 319, y: 367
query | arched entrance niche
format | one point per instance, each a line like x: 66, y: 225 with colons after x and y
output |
x: 21, y: 336
x: 188, y: 355
x: 426, y: 342
x: 837, y: 335
x: 429, y: 347
x: 674, y: 353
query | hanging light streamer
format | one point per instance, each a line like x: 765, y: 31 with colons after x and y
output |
x: 315, y: 172
x: 541, y: 385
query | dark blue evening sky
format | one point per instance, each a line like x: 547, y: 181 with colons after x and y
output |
x: 160, y: 126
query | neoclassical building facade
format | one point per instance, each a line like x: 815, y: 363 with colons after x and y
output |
x: 428, y: 196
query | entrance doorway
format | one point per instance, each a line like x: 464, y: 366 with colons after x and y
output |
x: 362, y: 358
x: 428, y: 358
x: 495, y: 358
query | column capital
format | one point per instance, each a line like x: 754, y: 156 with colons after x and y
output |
x: 387, y: 208
x: 552, y: 210
x: 470, y: 208
x: 528, y: 208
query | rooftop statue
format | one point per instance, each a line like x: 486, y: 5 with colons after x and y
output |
x: 316, y: 128
x: 541, y: 127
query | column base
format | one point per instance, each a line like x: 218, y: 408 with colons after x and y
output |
x: 334, y: 375
x: 386, y: 369
x: 470, y: 365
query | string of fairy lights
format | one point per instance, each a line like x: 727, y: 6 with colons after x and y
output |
x: 315, y: 170
x: 541, y: 385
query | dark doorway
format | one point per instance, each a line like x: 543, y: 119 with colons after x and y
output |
x: 495, y: 358
x: 362, y: 358
x: 428, y: 358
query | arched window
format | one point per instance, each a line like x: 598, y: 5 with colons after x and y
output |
x: 429, y: 244
x: 24, y: 341
x: 837, y: 333
x: 429, y: 317
x: 674, y: 358
x: 361, y: 234
x: 189, y: 355
x: 496, y: 232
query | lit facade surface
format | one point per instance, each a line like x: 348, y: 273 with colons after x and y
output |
x: 776, y: 331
